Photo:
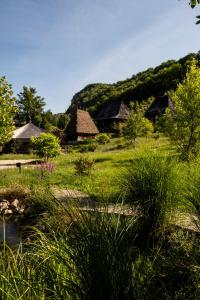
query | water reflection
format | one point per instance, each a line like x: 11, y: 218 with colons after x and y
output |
x: 11, y: 231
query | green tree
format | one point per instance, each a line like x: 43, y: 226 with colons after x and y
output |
x: 193, y: 3
x: 183, y: 125
x: 31, y: 106
x: 47, y: 145
x: 63, y: 121
x: 49, y: 120
x: 7, y: 111
x: 136, y: 124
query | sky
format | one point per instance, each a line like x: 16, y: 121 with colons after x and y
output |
x: 60, y: 46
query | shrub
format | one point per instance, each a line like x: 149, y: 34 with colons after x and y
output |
x: 136, y: 125
x: 87, y: 141
x: 84, y: 165
x: 103, y: 138
x: 46, y: 145
x: 88, y: 148
x: 150, y: 184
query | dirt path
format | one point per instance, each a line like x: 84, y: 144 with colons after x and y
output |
x: 185, y: 220
x: 11, y: 163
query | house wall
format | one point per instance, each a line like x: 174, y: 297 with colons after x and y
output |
x: 85, y: 137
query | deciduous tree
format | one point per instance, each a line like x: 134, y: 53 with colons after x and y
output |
x: 47, y: 145
x: 7, y: 111
x: 31, y: 106
x: 193, y: 3
x: 136, y: 124
x: 183, y: 125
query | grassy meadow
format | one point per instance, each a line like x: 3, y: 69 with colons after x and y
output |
x: 104, y: 181
x: 74, y: 254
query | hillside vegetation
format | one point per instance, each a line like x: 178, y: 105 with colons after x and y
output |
x: 152, y: 82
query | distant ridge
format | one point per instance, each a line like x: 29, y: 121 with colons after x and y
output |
x: 152, y: 82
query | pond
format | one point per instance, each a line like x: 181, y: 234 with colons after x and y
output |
x: 10, y: 231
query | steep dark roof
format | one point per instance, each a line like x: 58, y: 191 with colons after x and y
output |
x: 84, y: 123
x: 27, y: 131
x: 159, y: 106
x: 113, y: 110
x: 81, y: 123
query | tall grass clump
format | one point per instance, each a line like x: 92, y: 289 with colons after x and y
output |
x: 92, y: 259
x: 150, y: 185
x: 192, y: 185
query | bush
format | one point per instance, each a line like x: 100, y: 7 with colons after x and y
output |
x: 103, y: 138
x: 87, y: 141
x: 150, y: 184
x: 84, y: 165
x: 46, y: 145
x: 88, y: 148
x: 136, y: 125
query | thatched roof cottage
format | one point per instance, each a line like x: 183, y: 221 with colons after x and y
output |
x: 158, y: 107
x: 81, y: 126
x: 21, y: 138
x: 26, y: 132
x: 110, y: 114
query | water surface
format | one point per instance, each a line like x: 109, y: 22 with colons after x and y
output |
x: 11, y: 230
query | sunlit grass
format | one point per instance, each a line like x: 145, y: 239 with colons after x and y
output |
x: 104, y: 182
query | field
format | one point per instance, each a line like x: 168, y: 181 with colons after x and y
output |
x: 104, y: 181
x: 72, y: 254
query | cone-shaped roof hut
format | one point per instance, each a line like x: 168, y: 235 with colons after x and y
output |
x: 81, y: 126
x: 21, y: 139
x: 110, y: 114
x: 158, y: 107
x: 26, y: 132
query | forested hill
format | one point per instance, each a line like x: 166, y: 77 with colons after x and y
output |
x: 152, y: 82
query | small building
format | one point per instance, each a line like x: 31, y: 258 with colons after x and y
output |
x: 111, y: 113
x: 20, y: 142
x: 158, y: 107
x: 81, y: 126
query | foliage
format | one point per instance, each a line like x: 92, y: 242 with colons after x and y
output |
x: 183, y: 125
x: 103, y: 138
x: 88, y: 148
x: 150, y: 184
x: 46, y: 145
x: 58, y: 121
x: 193, y: 3
x: 63, y: 121
x: 8, y: 110
x: 31, y: 106
x: 136, y: 124
x: 87, y: 142
x: 92, y: 255
x: 84, y: 165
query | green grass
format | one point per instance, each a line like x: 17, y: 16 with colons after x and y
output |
x: 88, y: 255
x: 104, y: 182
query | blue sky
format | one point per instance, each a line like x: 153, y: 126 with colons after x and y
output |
x: 59, y: 46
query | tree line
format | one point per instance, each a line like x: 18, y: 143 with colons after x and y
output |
x: 27, y: 107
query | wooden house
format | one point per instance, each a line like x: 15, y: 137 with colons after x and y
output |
x: 21, y: 138
x: 81, y: 126
x: 158, y: 107
x: 111, y: 113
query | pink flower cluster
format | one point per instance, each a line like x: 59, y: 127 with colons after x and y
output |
x: 46, y: 167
